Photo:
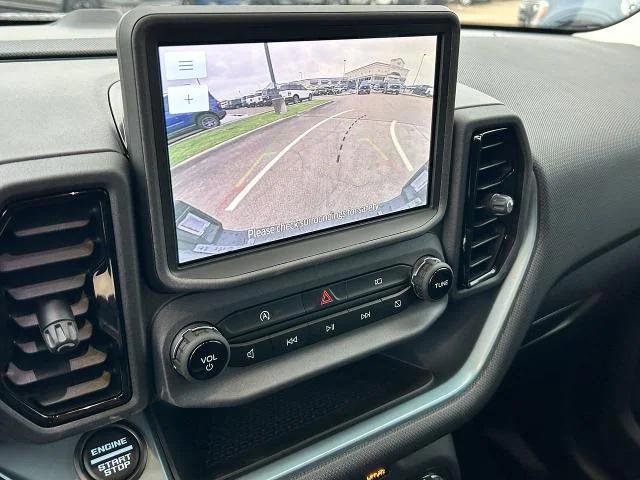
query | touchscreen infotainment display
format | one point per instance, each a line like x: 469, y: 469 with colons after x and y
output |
x: 268, y: 141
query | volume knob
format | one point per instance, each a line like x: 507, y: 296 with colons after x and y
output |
x: 431, y: 278
x: 199, y: 352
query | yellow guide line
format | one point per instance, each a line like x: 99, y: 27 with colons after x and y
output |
x: 251, y: 168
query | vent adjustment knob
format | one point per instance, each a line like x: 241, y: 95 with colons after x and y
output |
x: 58, y: 326
x: 199, y: 352
x: 499, y: 204
x: 431, y: 278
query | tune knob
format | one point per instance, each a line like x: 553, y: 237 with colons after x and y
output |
x: 199, y: 352
x: 431, y: 278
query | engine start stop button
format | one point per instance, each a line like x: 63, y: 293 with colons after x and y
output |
x: 116, y: 452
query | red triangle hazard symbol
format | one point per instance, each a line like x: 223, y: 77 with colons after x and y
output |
x: 326, y: 297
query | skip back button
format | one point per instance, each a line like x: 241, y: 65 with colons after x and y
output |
x: 290, y: 340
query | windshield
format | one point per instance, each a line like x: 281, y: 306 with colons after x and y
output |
x: 578, y: 15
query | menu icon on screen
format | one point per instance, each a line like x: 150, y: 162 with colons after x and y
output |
x: 185, y: 65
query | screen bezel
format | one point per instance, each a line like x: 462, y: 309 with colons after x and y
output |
x: 245, y: 249
x: 145, y: 31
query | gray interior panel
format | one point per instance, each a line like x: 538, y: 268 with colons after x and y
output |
x: 56, y: 108
x: 578, y: 107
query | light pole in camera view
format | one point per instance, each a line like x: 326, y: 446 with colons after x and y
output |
x: 419, y: 67
x: 278, y: 102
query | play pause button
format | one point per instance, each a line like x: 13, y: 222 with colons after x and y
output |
x: 330, y: 326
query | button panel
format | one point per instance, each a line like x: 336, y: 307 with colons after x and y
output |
x: 382, y: 285
x: 245, y: 354
x: 327, y: 297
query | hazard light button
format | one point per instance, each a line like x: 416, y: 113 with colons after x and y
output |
x: 324, y: 297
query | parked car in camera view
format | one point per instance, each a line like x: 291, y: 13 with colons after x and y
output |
x: 294, y: 92
x: 424, y: 90
x: 178, y: 123
x: 338, y: 89
x: 364, y: 88
x: 392, y: 88
x: 231, y: 104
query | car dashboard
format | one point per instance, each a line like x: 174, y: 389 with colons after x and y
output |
x: 361, y: 376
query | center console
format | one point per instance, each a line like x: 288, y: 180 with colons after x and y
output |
x: 200, y: 351
x: 306, y: 216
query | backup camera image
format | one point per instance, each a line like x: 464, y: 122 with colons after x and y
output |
x: 268, y: 141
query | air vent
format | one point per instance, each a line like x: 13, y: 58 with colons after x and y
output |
x: 495, y: 173
x: 60, y: 248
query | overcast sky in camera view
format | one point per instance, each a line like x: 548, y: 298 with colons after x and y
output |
x: 241, y: 69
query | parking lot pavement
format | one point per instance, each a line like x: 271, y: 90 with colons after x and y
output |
x: 357, y: 150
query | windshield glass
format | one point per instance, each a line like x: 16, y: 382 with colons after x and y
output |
x: 578, y: 15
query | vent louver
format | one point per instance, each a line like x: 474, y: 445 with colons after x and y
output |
x: 495, y: 166
x: 60, y: 248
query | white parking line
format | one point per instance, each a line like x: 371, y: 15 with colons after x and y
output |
x: 236, y: 201
x: 403, y: 156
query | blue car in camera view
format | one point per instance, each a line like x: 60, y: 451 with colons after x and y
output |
x: 180, y: 123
